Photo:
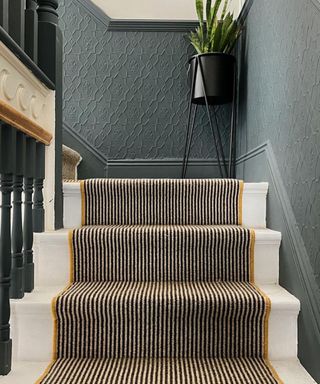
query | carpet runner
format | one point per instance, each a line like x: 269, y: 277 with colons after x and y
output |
x: 162, y: 289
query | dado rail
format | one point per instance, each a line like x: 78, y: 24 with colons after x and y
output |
x: 30, y: 59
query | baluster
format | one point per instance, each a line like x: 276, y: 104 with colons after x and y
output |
x: 4, y: 13
x: 50, y: 61
x: 31, y: 30
x: 17, y: 272
x: 28, y: 217
x: 6, y: 168
x: 38, y: 210
x: 17, y: 21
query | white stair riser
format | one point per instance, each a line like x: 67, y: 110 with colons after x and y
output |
x: 32, y: 330
x: 51, y: 252
x: 254, y: 205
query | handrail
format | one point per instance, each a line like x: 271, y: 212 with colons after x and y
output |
x: 23, y: 123
x: 7, y: 40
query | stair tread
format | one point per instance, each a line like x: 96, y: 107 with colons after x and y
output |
x: 42, y: 297
x: 27, y: 372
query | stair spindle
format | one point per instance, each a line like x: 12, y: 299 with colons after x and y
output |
x: 38, y: 210
x: 31, y: 30
x: 17, y: 21
x: 4, y: 9
x: 17, y: 272
x: 29, y: 175
x: 6, y: 169
x: 50, y: 54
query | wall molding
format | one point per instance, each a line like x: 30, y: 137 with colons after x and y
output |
x: 95, y: 152
x: 95, y: 11
x: 152, y: 25
x: 299, y: 251
x: 161, y: 168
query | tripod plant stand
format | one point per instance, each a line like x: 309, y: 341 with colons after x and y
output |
x: 226, y: 168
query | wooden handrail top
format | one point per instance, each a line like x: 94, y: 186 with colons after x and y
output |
x: 21, y: 122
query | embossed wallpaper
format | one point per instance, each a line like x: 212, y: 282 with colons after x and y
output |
x: 280, y: 102
x: 126, y: 93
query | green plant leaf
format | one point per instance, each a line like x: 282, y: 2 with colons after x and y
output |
x: 229, y: 36
x: 208, y: 11
x: 217, y: 37
x: 213, y: 19
x: 199, y: 8
x: 224, y: 9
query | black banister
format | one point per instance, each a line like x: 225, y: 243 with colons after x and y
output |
x: 6, y: 170
x: 29, y: 174
x: 4, y: 14
x: 17, y: 21
x: 38, y: 209
x: 31, y: 35
x: 50, y: 61
x: 29, y: 29
x: 25, y: 59
x: 17, y: 272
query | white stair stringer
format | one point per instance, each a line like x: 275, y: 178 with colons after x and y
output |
x: 253, y: 205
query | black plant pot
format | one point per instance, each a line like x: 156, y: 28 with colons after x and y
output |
x: 218, y: 74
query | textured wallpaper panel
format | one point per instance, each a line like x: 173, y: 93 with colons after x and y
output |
x: 126, y: 93
x: 280, y: 103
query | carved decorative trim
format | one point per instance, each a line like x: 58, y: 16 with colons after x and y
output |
x: 25, y: 102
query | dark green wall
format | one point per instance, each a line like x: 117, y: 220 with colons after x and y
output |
x: 126, y: 92
x: 279, y: 120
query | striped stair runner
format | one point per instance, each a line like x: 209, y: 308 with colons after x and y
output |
x: 162, y: 289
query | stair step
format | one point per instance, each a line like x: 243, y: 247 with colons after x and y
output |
x: 32, y: 320
x: 290, y: 371
x: 52, y: 252
x: 253, y: 205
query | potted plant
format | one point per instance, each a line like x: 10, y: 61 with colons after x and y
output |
x: 213, y: 40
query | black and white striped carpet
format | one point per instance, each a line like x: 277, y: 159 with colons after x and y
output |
x: 162, y: 289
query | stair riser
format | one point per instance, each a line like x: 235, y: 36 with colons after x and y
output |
x: 32, y: 332
x: 53, y: 260
x: 254, y: 205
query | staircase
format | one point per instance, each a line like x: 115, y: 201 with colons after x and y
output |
x: 168, y: 281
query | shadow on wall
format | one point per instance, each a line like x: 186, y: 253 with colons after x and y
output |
x: 279, y: 141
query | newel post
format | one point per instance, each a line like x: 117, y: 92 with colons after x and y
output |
x: 50, y: 61
x: 7, y: 165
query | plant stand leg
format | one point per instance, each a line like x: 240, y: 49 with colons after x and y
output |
x: 188, y: 141
x: 231, y: 170
x: 188, y: 145
x: 209, y: 118
x: 224, y: 162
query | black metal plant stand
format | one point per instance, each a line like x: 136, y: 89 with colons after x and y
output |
x: 227, y: 169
